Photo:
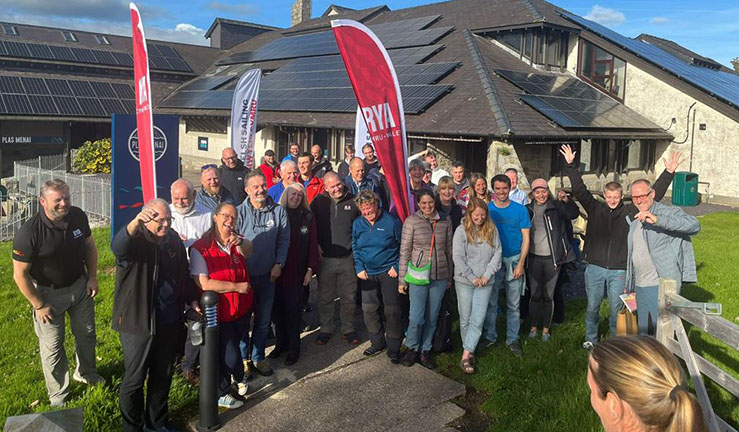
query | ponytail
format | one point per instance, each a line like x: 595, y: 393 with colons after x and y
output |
x: 688, y: 416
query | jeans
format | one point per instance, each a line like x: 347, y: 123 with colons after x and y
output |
x: 472, y: 303
x: 647, y: 309
x: 264, y: 297
x: 229, y: 337
x: 425, y: 305
x: 598, y: 281
x: 513, y: 290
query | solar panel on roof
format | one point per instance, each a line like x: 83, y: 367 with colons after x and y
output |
x: 17, y: 49
x: 58, y: 87
x: 11, y: 84
x: 168, y: 51
x: 17, y: 104
x: 123, y: 59
x: 39, y: 51
x: 208, y: 83
x: 178, y: 64
x: 721, y: 84
x: 104, y: 57
x: 42, y: 105
x: 83, y: 55
x: 81, y: 88
x: 34, y: 86
x: 112, y: 106
x: 3, y: 52
x: 158, y: 62
x: 588, y: 113
x: 3, y: 110
x: 102, y: 89
x: 62, y: 53
x: 123, y: 91
x: 91, y: 107
x: 552, y: 85
x: 153, y: 50
x: 67, y: 105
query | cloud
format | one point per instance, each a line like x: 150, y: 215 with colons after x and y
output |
x: 658, y: 20
x: 98, y: 10
x: 605, y: 16
x: 241, y: 9
x: 189, y: 28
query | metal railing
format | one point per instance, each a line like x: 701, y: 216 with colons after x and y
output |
x: 15, y: 211
x: 673, y: 309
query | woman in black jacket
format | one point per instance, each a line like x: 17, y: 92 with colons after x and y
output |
x: 549, y: 250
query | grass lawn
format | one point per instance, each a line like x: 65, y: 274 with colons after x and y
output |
x: 545, y: 391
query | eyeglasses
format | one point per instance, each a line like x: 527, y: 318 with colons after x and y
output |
x: 205, y: 167
x: 641, y: 197
x: 162, y: 221
x: 229, y: 158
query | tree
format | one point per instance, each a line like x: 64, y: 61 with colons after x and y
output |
x: 93, y: 157
x: 735, y: 63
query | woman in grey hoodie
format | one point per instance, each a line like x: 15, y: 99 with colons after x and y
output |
x: 477, y: 256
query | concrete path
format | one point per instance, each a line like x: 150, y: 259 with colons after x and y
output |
x: 335, y: 387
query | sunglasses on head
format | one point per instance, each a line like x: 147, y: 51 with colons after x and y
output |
x: 205, y: 167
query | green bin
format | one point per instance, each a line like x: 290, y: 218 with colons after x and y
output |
x: 685, y: 189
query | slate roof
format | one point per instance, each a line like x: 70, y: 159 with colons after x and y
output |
x: 219, y: 20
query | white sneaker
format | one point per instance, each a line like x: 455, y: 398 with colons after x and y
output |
x: 91, y: 380
x: 229, y: 402
x: 588, y: 345
x: 243, y: 387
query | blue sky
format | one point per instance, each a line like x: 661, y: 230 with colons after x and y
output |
x: 710, y: 28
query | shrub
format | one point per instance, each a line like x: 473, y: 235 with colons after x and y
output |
x: 93, y: 157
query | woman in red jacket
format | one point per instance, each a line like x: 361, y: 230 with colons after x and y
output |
x: 300, y: 266
x: 217, y: 264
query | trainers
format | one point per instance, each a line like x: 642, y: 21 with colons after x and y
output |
x: 323, y: 338
x: 229, y: 402
x: 242, y: 387
x: 91, y: 380
x: 546, y: 337
x: 486, y: 343
x: 394, y: 356
x: 263, y: 368
x: 515, y: 348
x: 588, y: 345
x: 532, y: 334
x: 352, y: 338
x: 57, y: 404
x: 409, y: 358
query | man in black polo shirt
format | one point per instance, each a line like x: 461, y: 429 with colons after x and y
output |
x: 55, y: 268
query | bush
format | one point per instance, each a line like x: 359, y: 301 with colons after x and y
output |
x: 93, y: 157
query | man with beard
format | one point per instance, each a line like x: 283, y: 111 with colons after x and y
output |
x: 294, y: 152
x: 232, y: 172
x: 190, y: 224
x: 152, y: 287
x: 212, y: 192
x: 55, y: 268
x: 270, y: 169
x: 265, y: 224
x: 321, y: 165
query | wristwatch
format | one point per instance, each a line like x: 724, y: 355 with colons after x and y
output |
x: 282, y: 265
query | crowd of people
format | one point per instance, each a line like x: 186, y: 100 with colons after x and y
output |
x: 259, y: 237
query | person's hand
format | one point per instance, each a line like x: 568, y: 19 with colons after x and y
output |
x: 647, y: 216
x: 233, y: 239
x: 562, y: 195
x: 674, y: 161
x: 275, y: 273
x: 518, y: 271
x: 92, y: 287
x: 476, y: 282
x: 146, y: 215
x: 483, y: 281
x: 403, y: 289
x: 567, y: 152
x: 243, y: 287
x: 195, y: 305
x: 44, y: 314
x: 183, y: 238
x: 363, y: 275
x: 392, y: 273
x: 308, y: 276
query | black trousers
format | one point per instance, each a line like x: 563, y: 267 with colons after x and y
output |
x: 559, y: 296
x: 229, y: 337
x: 287, y: 312
x: 381, y: 310
x: 192, y: 356
x: 542, y: 276
x: 153, y: 356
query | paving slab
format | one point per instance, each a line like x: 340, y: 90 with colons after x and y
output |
x: 68, y: 420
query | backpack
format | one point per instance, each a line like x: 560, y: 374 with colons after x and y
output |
x: 442, y: 341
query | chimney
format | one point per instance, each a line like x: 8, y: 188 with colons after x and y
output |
x: 301, y: 11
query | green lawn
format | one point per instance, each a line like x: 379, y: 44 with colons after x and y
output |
x: 545, y: 391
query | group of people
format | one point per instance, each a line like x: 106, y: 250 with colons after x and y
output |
x: 258, y: 238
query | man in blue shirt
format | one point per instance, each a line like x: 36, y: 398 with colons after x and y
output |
x: 515, y: 194
x: 513, y: 224
x: 289, y: 173
x: 293, y: 155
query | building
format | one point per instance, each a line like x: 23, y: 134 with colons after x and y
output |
x: 495, y: 84
x: 59, y: 87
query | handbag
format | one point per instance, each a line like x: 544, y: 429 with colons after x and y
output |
x: 416, y: 274
x: 626, y: 323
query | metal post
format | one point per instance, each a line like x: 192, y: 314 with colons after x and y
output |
x: 209, y: 420
x: 38, y: 176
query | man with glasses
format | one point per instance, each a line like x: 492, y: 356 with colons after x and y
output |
x: 605, y: 250
x: 55, y: 268
x: 294, y: 153
x: 152, y: 287
x: 265, y: 224
x: 289, y: 173
x: 658, y: 247
x: 232, y: 172
x: 212, y: 192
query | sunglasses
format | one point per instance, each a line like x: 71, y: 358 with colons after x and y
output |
x: 205, y: 167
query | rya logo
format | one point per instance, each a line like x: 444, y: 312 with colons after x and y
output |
x: 378, y: 117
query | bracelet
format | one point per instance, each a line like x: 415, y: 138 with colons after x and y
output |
x: 40, y: 307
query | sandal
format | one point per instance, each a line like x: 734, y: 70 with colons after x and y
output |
x: 466, y: 366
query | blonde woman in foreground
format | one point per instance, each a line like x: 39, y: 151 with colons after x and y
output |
x: 636, y: 385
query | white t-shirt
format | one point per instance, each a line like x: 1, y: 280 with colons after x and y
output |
x: 437, y: 175
x: 192, y: 225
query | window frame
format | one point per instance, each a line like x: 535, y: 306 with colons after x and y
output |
x: 10, y: 30
x: 69, y: 36
x: 580, y: 59
x: 102, y: 40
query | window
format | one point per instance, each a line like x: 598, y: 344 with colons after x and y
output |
x: 102, y: 40
x: 602, y: 69
x: 69, y: 36
x: 542, y: 46
x: 10, y: 30
x: 512, y: 40
x: 203, y: 143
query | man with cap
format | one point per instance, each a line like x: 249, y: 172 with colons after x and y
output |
x: 270, y: 169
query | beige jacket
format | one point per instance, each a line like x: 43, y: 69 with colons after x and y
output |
x: 416, y: 242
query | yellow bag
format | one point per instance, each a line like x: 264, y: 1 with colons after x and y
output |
x: 626, y: 324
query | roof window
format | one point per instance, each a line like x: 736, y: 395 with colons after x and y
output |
x: 10, y: 30
x: 69, y: 36
x: 102, y: 40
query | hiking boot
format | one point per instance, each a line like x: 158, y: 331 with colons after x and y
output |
x: 263, y: 368
x: 394, y: 356
x: 323, y: 338
x: 515, y: 348
x: 426, y: 360
x: 409, y: 357
x: 92, y: 380
x: 229, y: 402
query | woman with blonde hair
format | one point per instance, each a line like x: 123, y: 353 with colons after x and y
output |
x: 478, y: 189
x: 636, y: 385
x: 477, y: 255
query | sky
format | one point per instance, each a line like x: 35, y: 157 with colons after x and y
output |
x: 710, y: 28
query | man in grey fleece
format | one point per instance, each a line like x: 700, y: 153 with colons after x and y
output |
x: 658, y: 247
x: 265, y: 224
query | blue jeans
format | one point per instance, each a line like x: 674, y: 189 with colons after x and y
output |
x: 472, y: 303
x: 647, y: 309
x: 264, y: 297
x: 514, y: 290
x: 425, y: 305
x: 600, y: 282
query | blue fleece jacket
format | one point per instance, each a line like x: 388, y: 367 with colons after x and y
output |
x: 269, y: 231
x: 376, y: 247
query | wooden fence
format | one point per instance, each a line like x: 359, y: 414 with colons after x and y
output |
x: 673, y: 310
